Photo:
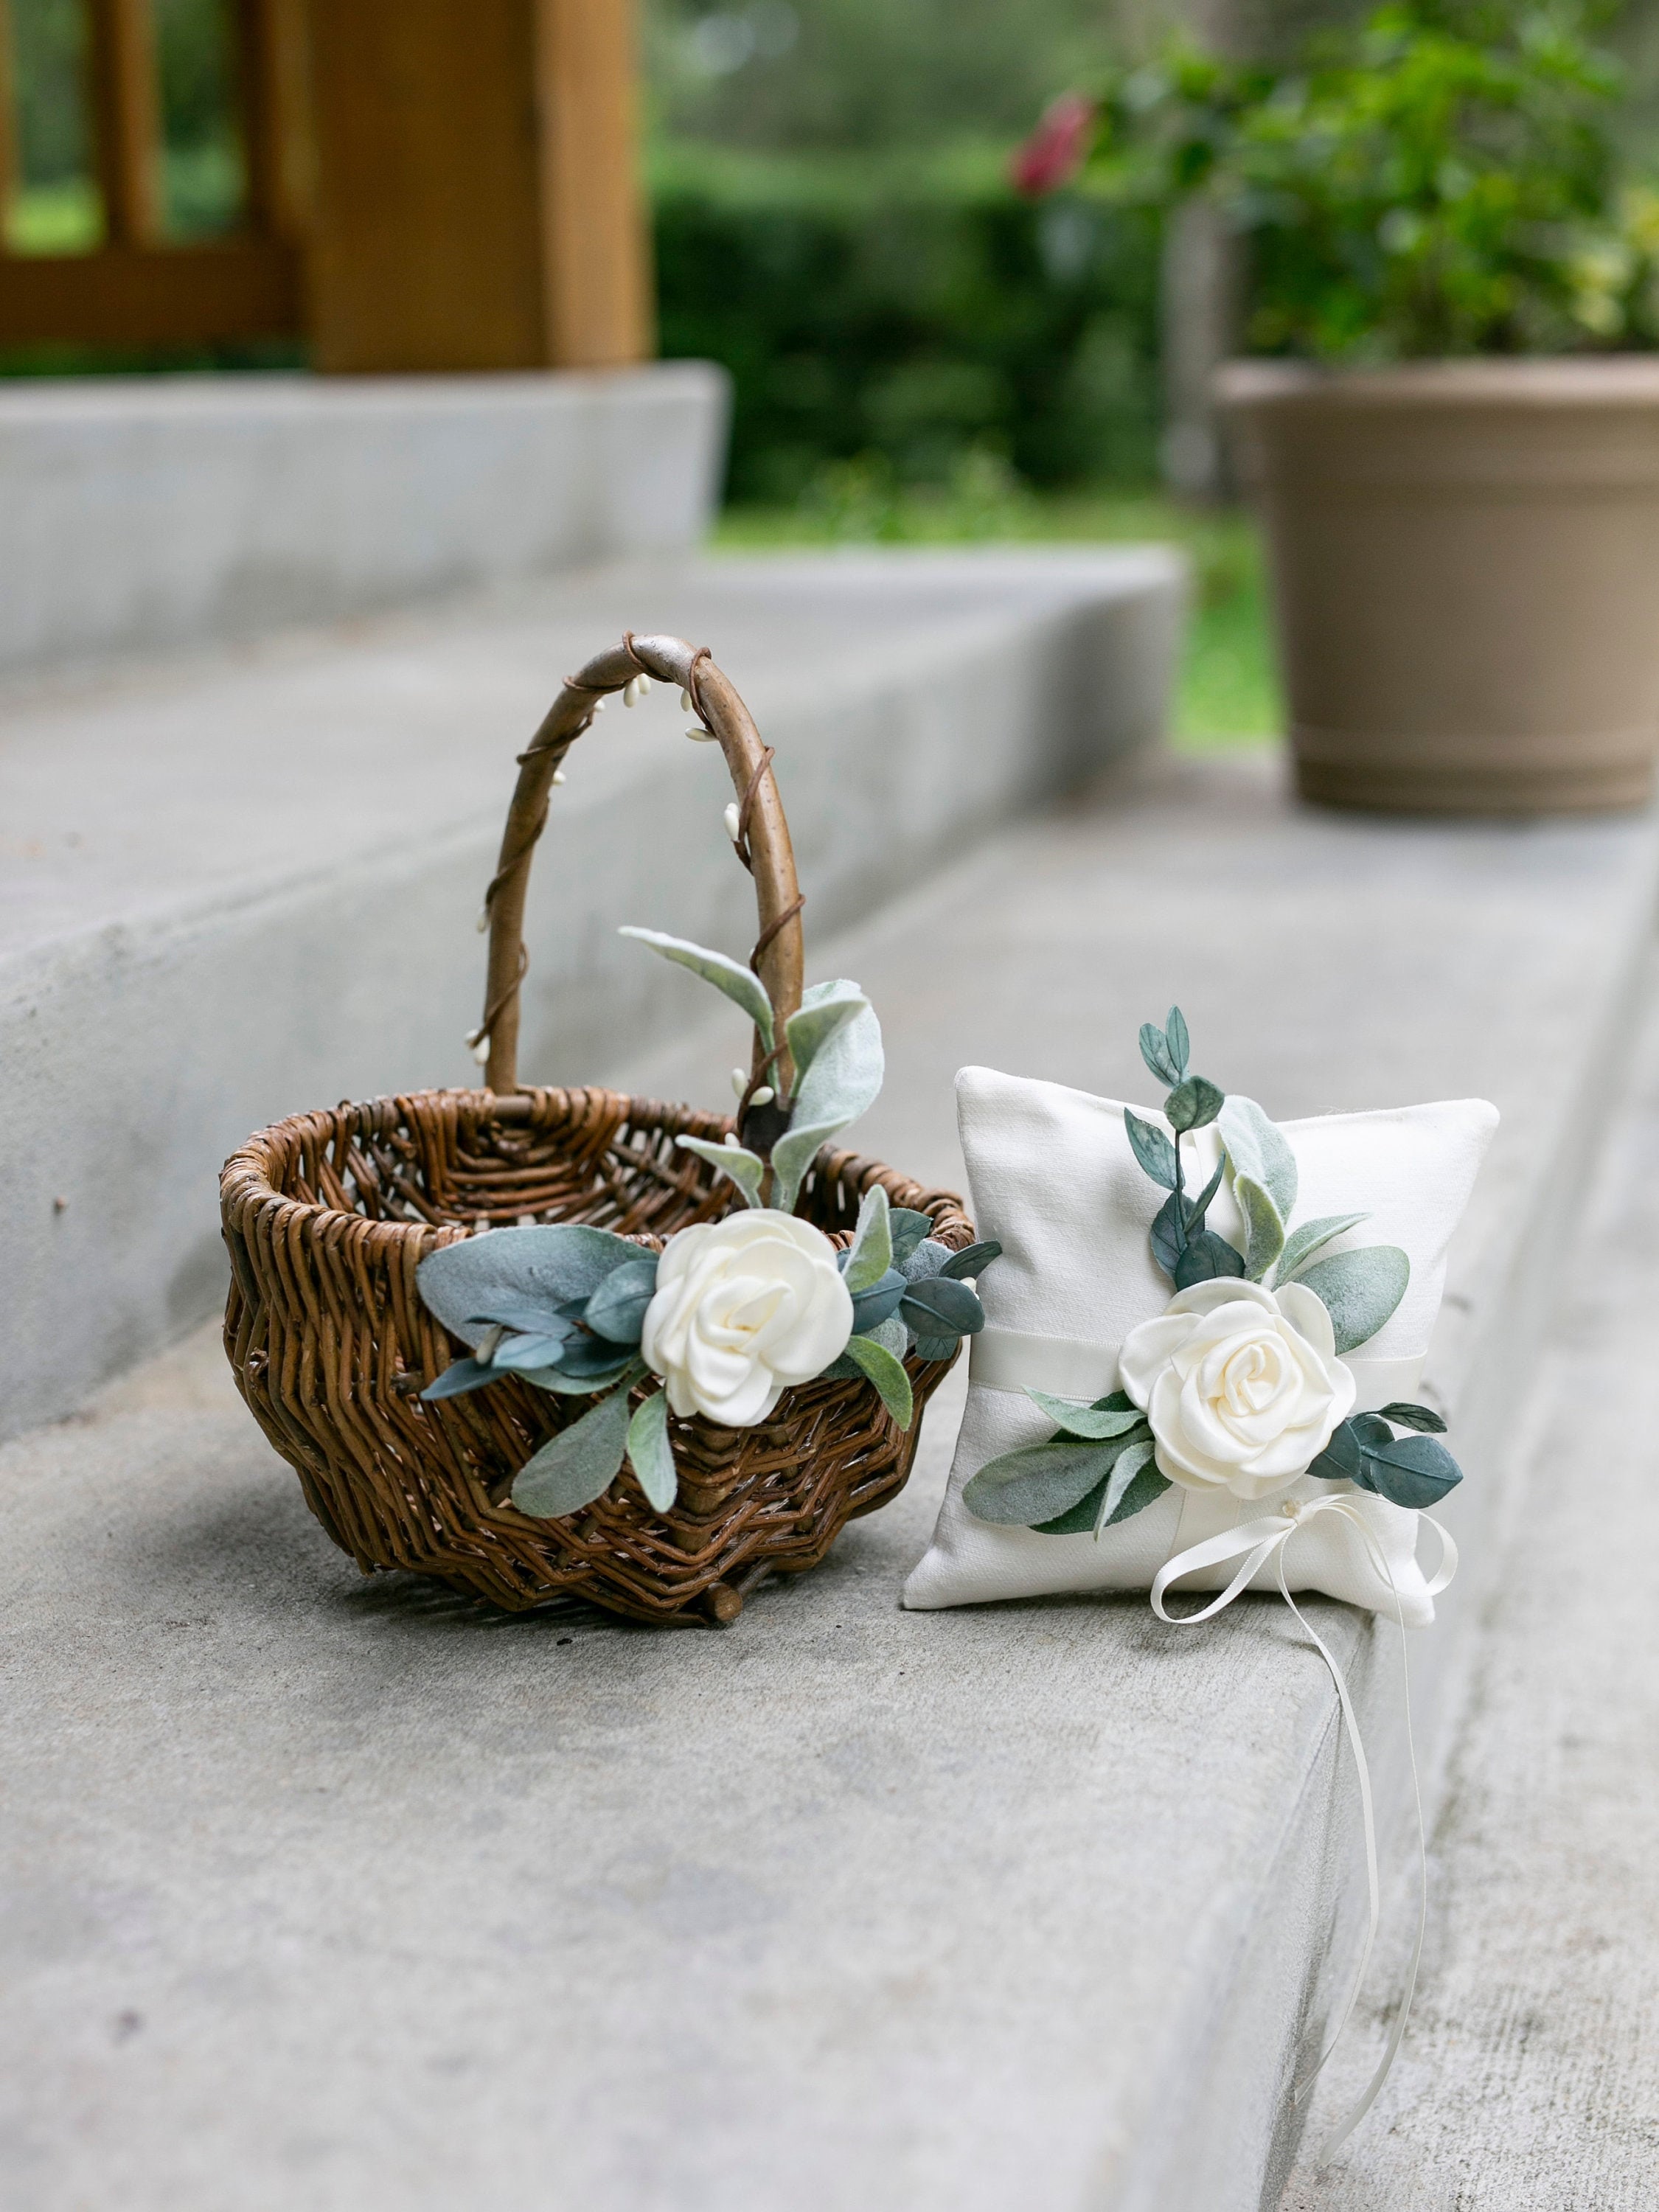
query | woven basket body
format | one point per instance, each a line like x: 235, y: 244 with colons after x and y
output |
x: 327, y: 1215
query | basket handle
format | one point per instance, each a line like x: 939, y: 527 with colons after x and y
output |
x: 761, y: 843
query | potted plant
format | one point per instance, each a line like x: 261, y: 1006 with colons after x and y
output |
x: 1451, y: 424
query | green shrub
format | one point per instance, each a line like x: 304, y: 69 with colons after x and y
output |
x: 914, y: 319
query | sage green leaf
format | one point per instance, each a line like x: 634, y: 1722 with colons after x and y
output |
x: 1152, y: 1148
x: 822, y: 1011
x: 965, y: 1265
x: 1146, y: 1488
x: 873, y: 1306
x: 844, y: 1078
x: 1179, y: 1044
x: 745, y: 1169
x: 1410, y: 1471
x: 616, y: 1309
x: 650, y: 1455
x: 577, y: 1465
x: 886, y: 1372
x: 461, y: 1375
x: 1205, y: 1257
x: 1360, y: 1290
x: 891, y: 1334
x: 514, y: 1353
x: 741, y: 985
x: 1339, y: 1460
x: 940, y: 1307
x: 1096, y: 1421
x: 1259, y: 1150
x: 1261, y: 1218
x: 1405, y: 1415
x: 1155, y: 1051
x: 907, y: 1229
x: 1302, y: 1243
x: 1022, y: 1488
x: 872, y: 1254
x: 547, y: 1266
x: 1136, y: 1454
x: 1193, y: 1104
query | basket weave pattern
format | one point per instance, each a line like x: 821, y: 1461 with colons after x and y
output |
x: 327, y: 1215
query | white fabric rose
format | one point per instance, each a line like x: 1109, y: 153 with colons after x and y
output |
x: 743, y: 1308
x: 1242, y: 1386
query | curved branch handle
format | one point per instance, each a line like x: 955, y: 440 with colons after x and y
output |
x: 762, y: 840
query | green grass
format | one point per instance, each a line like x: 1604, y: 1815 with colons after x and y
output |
x: 1227, y: 691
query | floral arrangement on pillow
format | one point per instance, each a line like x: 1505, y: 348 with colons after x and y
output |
x: 1238, y: 1384
x: 731, y: 1313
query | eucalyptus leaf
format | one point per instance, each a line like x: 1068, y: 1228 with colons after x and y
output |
x: 1339, y: 1460
x: 817, y: 1018
x: 1155, y: 1051
x: 531, y: 1316
x: 516, y: 1354
x: 551, y: 1267
x: 741, y: 985
x: 1147, y: 1487
x: 1095, y: 1422
x: 1257, y: 1148
x: 746, y: 1169
x: 966, y: 1264
x: 1261, y: 1218
x: 907, y: 1229
x: 1179, y: 1044
x: 1166, y: 1242
x: 1404, y: 1415
x: 587, y: 1382
x: 844, y: 1080
x: 1410, y: 1471
x: 616, y: 1309
x: 650, y: 1455
x: 461, y: 1375
x: 943, y: 1348
x: 1360, y: 1290
x: 1137, y: 1453
x: 1205, y: 1257
x: 1034, y: 1483
x: 940, y: 1307
x: 883, y: 1369
x: 1193, y: 1104
x: 577, y: 1465
x: 871, y: 1253
x: 1302, y: 1243
x: 1152, y: 1148
x: 873, y: 1306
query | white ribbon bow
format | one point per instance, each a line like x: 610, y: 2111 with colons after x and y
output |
x: 1257, y: 1542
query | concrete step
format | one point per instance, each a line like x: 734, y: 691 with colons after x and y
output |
x: 363, y: 1896
x: 244, y: 882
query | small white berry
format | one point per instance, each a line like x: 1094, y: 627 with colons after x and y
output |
x: 731, y: 820
x: 630, y: 690
x: 686, y: 702
x: 642, y: 684
x: 739, y: 1083
x: 731, y: 1140
x: 558, y: 775
x: 484, y: 919
x: 481, y: 1051
x: 598, y: 706
x: 700, y: 735
x: 764, y: 1095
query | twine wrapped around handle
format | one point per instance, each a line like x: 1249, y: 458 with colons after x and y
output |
x: 763, y: 840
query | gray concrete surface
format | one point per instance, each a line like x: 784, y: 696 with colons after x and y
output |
x: 153, y: 511
x: 1529, y: 2081
x: 246, y: 883
x: 350, y: 1895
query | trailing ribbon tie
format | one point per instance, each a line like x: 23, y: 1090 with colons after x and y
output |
x: 1257, y: 1542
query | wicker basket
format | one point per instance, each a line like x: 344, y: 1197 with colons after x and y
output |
x: 328, y: 1214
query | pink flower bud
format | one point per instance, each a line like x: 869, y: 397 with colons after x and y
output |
x: 1055, y: 152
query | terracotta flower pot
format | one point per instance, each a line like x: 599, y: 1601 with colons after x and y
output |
x: 1466, y: 577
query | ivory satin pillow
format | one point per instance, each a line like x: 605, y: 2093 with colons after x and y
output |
x: 1053, y: 1180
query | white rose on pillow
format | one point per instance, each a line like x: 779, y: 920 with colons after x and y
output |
x: 743, y: 1308
x: 1242, y: 1386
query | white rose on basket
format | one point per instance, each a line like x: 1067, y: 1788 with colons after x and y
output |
x: 743, y: 1308
x: 1240, y: 1385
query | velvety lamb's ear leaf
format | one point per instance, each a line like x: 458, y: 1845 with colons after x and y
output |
x: 1206, y: 1256
x: 891, y: 1334
x: 650, y: 1455
x: 1175, y: 1037
x: 844, y: 1078
x: 1022, y: 1488
x: 1260, y: 1150
x: 1302, y: 1243
x: 818, y: 1016
x: 873, y: 1306
x: 746, y: 1169
x: 1261, y: 1218
x: 1160, y: 1061
x: 967, y: 1263
x: 548, y: 1265
x: 1360, y: 1288
x: 871, y: 1253
x: 1404, y: 1415
x: 461, y: 1375
x: 577, y: 1465
x: 1193, y: 1104
x: 1094, y: 1422
x: 907, y: 1229
x: 1411, y: 1471
x: 616, y: 1309
x: 1147, y: 1487
x: 940, y: 1307
x: 1137, y: 1453
x: 886, y: 1372
x: 741, y: 985
x: 1152, y: 1148
x: 928, y: 1258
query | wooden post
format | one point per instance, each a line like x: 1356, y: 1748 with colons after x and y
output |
x: 476, y: 202
x: 271, y: 100
x: 126, y: 110
x: 8, y: 124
